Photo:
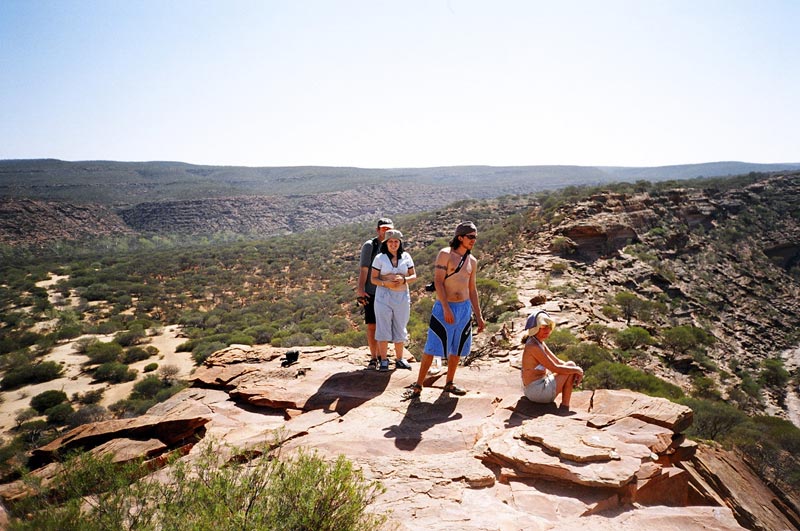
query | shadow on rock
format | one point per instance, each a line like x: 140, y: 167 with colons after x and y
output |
x: 524, y: 409
x: 420, y: 417
x: 343, y: 391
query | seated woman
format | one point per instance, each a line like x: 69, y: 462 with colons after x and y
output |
x: 544, y: 376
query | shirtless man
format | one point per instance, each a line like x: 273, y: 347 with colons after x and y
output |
x: 450, y: 332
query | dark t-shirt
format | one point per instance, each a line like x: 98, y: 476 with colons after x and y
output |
x: 369, y: 251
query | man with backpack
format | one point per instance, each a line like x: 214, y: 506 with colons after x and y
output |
x: 366, y: 289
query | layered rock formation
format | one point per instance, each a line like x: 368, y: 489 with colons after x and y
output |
x: 36, y: 222
x: 489, y: 460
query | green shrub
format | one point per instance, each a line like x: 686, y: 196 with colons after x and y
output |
x: 28, y: 374
x: 633, y: 337
x: 713, y: 419
x: 203, y: 350
x: 683, y: 339
x: 102, y: 352
x: 598, y: 332
x: 587, y: 354
x: 58, y: 415
x: 134, y: 354
x: 773, y: 375
x: 131, y: 337
x: 150, y: 367
x: 114, y: 372
x: 608, y: 375
x: 560, y: 339
x: 303, y: 492
x: 147, y: 387
x: 92, y: 396
x: 44, y: 401
x: 240, y: 338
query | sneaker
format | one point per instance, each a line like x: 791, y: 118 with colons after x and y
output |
x: 384, y: 365
x: 402, y: 364
x: 373, y: 364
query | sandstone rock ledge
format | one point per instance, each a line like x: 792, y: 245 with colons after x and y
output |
x: 489, y: 460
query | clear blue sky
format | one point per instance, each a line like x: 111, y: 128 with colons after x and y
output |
x: 405, y: 83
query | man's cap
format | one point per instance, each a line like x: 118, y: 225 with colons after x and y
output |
x: 385, y: 222
x: 465, y: 227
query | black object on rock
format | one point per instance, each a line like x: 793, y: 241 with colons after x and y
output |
x: 290, y: 358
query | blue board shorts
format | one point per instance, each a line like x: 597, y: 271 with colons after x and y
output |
x: 453, y: 339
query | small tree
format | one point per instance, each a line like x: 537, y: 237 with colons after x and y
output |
x: 168, y: 373
x: 629, y: 304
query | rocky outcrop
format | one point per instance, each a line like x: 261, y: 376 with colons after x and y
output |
x: 37, y: 222
x: 724, y: 261
x: 487, y: 460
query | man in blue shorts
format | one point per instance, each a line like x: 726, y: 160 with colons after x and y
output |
x: 450, y: 331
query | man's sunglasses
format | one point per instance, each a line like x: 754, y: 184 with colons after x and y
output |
x: 470, y: 236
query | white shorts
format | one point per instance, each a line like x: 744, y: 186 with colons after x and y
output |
x: 392, y: 311
x: 542, y: 391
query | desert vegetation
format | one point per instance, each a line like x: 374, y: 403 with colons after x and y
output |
x: 252, y: 491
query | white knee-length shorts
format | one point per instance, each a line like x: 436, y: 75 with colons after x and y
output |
x: 392, y: 311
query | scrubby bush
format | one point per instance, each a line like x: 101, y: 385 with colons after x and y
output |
x: 632, y: 337
x: 92, y: 396
x: 29, y: 374
x: 560, y: 339
x: 147, y: 387
x: 44, y: 401
x: 150, y: 367
x: 683, y: 339
x: 86, y: 414
x: 134, y: 354
x: 712, y: 418
x: 608, y: 375
x: 203, y: 350
x: 303, y: 492
x: 598, y: 332
x: 773, y: 375
x: 114, y: 372
x: 130, y: 337
x: 102, y: 352
x: 58, y: 415
x: 587, y: 354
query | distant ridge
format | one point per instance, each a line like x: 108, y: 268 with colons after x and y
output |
x: 124, y: 184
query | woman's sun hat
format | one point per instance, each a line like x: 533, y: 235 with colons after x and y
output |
x: 392, y: 234
x: 538, y: 320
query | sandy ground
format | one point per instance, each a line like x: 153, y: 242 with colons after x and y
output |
x: 77, y: 381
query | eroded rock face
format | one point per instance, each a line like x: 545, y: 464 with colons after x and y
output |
x: 487, y: 460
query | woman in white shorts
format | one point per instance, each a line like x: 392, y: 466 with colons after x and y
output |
x: 544, y: 376
x: 392, y: 270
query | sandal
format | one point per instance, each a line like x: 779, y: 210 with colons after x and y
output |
x: 413, y: 392
x: 453, y: 389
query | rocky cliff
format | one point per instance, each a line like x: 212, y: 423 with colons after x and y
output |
x: 724, y: 261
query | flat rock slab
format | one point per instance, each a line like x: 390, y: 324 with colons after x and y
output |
x: 605, y: 406
x: 511, y: 449
x: 572, y: 440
